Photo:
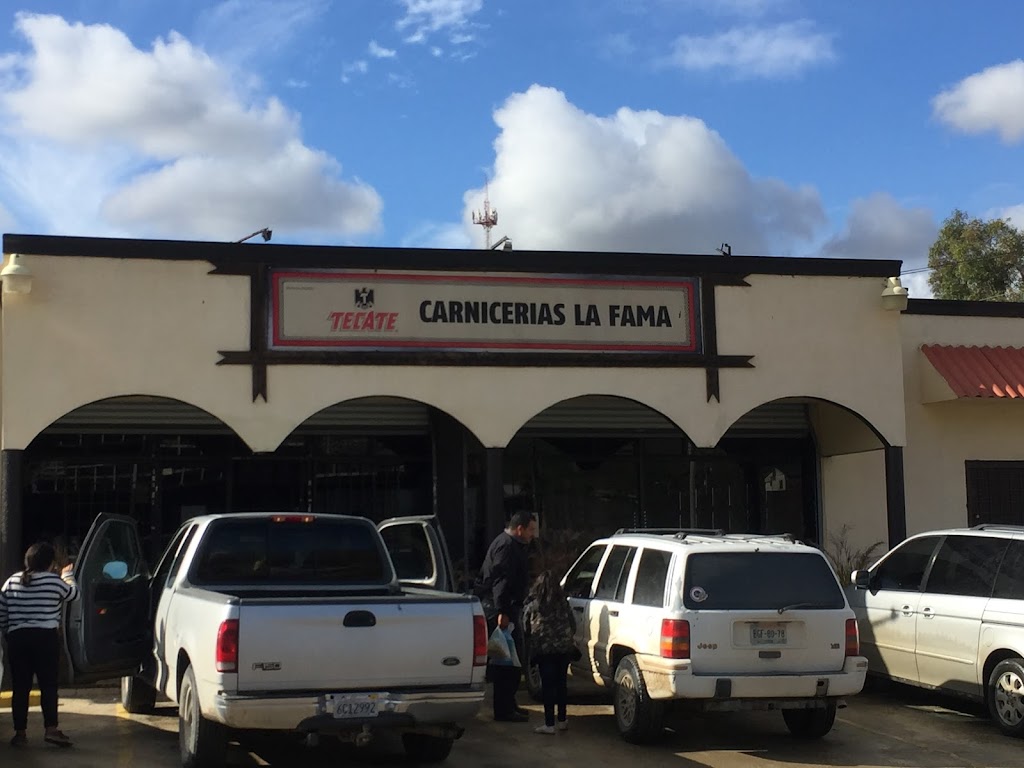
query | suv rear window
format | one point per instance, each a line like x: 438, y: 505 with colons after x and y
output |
x: 296, y: 550
x: 756, y: 581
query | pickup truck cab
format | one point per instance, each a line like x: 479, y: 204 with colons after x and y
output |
x: 282, y: 622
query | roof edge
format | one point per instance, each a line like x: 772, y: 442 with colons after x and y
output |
x: 958, y: 308
x: 573, y: 262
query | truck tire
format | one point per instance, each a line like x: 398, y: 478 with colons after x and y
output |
x: 137, y: 696
x: 810, y: 723
x: 640, y: 719
x: 1005, y: 696
x: 203, y: 743
x: 422, y: 748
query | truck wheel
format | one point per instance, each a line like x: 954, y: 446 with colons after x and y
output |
x: 639, y: 718
x: 810, y: 723
x: 203, y: 743
x: 426, y: 749
x: 137, y: 696
x: 1005, y: 694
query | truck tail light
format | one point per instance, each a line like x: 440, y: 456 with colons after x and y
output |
x: 227, y: 646
x: 479, y: 641
x: 852, y: 638
x: 675, y: 639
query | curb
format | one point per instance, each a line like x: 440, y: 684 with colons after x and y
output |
x: 5, y: 699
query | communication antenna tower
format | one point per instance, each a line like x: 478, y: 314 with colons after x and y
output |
x: 488, y: 219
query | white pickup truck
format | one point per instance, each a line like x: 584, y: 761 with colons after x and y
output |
x: 283, y: 622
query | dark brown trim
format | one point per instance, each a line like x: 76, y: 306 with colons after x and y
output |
x: 498, y: 359
x: 258, y: 319
x: 11, y: 511
x: 952, y: 308
x: 237, y: 258
x: 895, y: 495
x: 709, y: 328
x: 494, y: 491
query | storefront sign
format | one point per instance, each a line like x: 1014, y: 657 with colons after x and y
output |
x: 507, y: 312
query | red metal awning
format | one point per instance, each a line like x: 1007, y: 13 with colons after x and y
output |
x: 990, y: 372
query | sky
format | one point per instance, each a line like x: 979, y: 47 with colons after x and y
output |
x: 780, y: 127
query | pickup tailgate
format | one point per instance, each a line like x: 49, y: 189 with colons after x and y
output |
x: 339, y: 644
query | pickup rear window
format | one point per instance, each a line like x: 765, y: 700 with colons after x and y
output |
x: 757, y: 581
x: 296, y: 550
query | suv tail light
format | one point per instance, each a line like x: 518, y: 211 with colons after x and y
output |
x: 675, y: 639
x: 852, y: 638
x: 479, y: 641
x: 227, y: 646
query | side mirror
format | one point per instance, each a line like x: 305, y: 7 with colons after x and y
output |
x: 116, y: 570
x: 861, y: 579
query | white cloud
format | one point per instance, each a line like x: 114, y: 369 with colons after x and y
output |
x: 632, y: 181
x: 782, y: 50
x: 990, y: 100
x: 435, y: 235
x: 359, y: 67
x: 378, y: 51
x: 136, y: 126
x: 1013, y: 213
x: 436, y: 52
x: 425, y: 17
x: 746, y: 8
x: 879, y: 227
x: 244, y: 30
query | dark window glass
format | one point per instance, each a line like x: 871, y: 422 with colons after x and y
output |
x: 903, y: 570
x: 581, y: 577
x: 180, y: 555
x: 620, y: 591
x: 1010, y: 581
x: 650, y: 578
x: 291, y: 551
x: 614, y: 571
x: 966, y: 565
x: 410, y: 551
x: 760, y: 581
x: 163, y: 569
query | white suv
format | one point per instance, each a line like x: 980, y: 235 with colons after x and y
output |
x: 945, y: 610
x: 708, y: 621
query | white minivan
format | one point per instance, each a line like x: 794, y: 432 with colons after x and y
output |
x: 709, y: 621
x: 945, y: 610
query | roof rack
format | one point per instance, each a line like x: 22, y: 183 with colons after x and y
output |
x: 673, y: 531
x: 998, y: 527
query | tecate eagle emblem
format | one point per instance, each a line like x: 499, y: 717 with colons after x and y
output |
x: 267, y: 666
x: 451, y: 661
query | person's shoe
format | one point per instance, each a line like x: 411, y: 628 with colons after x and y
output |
x: 19, y: 740
x: 547, y: 730
x: 513, y: 717
x: 57, y: 738
x: 562, y: 725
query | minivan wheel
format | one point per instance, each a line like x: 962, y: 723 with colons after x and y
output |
x: 1005, y: 694
x: 203, y: 743
x: 137, y: 696
x: 810, y: 723
x: 639, y: 718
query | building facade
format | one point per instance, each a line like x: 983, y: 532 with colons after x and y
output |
x: 163, y: 379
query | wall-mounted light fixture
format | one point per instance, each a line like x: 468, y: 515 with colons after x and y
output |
x: 894, y: 295
x: 16, y: 277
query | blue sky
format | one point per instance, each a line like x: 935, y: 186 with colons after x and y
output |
x: 783, y: 127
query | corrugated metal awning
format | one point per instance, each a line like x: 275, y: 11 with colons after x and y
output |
x: 975, y: 372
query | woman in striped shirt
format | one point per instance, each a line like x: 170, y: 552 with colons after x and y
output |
x: 30, y: 611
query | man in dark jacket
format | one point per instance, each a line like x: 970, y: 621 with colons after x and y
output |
x: 502, y: 587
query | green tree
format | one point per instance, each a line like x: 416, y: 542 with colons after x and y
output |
x: 976, y: 259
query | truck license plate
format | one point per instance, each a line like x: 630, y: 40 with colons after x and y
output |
x: 767, y: 634
x: 346, y: 707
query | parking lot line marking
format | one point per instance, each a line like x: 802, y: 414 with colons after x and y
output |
x: 916, y: 745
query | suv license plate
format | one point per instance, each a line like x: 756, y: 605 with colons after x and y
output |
x: 767, y: 634
x: 354, y: 707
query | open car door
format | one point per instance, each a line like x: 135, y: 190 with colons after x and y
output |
x: 419, y: 552
x: 106, y: 629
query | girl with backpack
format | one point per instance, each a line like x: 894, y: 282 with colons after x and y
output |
x: 550, y: 630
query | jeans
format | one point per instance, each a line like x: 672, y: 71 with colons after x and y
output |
x: 554, y: 672
x: 33, y: 653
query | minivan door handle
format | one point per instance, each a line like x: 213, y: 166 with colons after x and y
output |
x: 928, y: 613
x: 613, y: 613
x: 908, y: 611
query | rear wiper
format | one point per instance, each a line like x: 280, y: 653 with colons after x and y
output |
x: 794, y: 606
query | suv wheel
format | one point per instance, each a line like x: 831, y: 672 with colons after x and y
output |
x: 137, y: 696
x: 1005, y: 694
x: 639, y: 717
x: 810, y: 723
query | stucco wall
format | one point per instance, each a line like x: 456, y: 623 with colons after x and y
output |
x: 942, y: 436
x: 96, y: 328
x: 853, y: 494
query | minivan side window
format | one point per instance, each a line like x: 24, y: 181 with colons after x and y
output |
x: 903, y: 570
x: 581, y: 577
x: 612, y: 583
x: 650, y: 578
x: 966, y: 565
x: 1010, y: 581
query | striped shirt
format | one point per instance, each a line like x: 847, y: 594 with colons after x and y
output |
x: 36, y: 605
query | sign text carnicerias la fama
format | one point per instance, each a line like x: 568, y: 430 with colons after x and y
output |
x: 342, y: 310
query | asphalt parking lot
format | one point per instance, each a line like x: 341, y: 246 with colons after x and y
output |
x: 890, y: 728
